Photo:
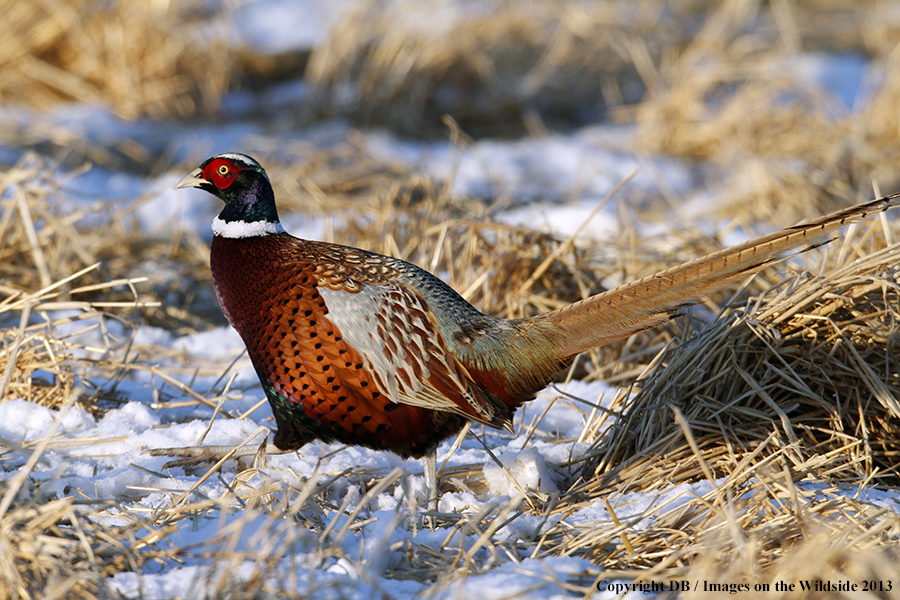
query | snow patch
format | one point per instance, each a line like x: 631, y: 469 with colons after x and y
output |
x: 527, y: 468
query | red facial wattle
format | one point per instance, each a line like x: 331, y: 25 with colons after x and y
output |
x: 221, y: 173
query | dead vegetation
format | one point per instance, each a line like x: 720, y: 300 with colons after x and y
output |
x: 734, y: 96
x: 516, y: 64
x: 786, y: 404
x: 139, y: 58
x: 791, y: 391
x: 817, y: 357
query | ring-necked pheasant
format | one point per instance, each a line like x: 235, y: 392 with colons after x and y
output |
x: 365, y: 349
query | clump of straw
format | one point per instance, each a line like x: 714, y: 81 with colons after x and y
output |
x: 139, y: 58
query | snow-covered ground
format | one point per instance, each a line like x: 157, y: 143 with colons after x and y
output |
x: 554, y: 183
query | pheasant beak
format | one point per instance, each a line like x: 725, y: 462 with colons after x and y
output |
x: 193, y: 179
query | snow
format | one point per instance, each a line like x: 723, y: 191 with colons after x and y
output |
x: 552, y: 183
x: 276, y: 26
x: 530, y: 579
x: 842, y: 75
x: 522, y: 470
x: 27, y: 421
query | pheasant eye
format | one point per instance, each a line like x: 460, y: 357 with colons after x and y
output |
x: 223, y: 170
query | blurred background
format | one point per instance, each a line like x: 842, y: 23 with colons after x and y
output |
x: 701, y: 81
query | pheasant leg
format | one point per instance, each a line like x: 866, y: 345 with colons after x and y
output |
x: 431, y: 483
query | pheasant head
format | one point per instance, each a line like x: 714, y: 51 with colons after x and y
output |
x: 242, y: 184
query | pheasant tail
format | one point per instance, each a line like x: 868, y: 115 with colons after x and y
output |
x: 653, y: 300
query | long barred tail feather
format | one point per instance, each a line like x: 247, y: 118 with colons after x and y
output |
x: 653, y: 300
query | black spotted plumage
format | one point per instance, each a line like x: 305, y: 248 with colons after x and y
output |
x: 316, y: 382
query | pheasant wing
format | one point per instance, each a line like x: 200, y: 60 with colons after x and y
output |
x: 391, y: 326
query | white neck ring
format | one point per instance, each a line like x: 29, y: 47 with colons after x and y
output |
x: 243, y: 229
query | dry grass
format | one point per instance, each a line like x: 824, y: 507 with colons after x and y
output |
x: 786, y: 404
x: 139, y: 58
x: 51, y: 547
x: 817, y: 358
x: 514, y: 67
x: 733, y: 96
x: 501, y: 69
x: 775, y: 398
